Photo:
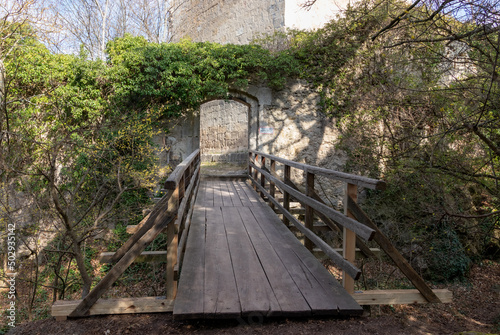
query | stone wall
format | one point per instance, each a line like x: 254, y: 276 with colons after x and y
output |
x: 224, y: 131
x: 296, y: 129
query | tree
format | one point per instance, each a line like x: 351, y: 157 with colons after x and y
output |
x: 414, y: 91
x: 93, y: 23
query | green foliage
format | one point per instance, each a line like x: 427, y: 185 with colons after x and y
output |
x: 173, y: 78
x: 407, y: 115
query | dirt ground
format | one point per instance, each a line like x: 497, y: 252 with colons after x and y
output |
x: 475, y: 310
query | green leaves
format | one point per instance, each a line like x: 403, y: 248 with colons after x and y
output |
x: 178, y: 77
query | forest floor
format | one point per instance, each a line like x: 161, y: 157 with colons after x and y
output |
x: 475, y: 310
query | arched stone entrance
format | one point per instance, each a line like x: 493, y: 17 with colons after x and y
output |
x: 224, y: 131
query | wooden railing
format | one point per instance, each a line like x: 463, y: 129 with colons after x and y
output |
x: 169, y: 215
x: 313, y: 204
x: 353, y: 223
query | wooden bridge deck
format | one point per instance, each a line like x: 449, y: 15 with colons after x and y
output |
x: 241, y: 260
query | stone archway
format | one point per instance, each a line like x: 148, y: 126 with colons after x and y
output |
x: 224, y: 131
x: 185, y: 133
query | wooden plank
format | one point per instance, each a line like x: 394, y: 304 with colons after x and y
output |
x: 289, y: 296
x: 208, y: 194
x: 63, y: 308
x: 359, y: 253
x: 214, y: 184
x: 226, y: 195
x: 328, y: 250
x: 220, y: 292
x: 252, y: 196
x: 245, y: 201
x: 235, y: 197
x: 176, y: 176
x: 399, y: 297
x: 255, y: 293
x: 323, y: 293
x: 360, y: 229
x: 144, y: 257
x: 349, y: 238
x: 346, y: 177
x: 189, y: 299
x: 255, y: 173
x: 393, y: 253
x: 132, y: 229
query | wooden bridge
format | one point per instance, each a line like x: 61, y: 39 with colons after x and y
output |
x: 229, y: 255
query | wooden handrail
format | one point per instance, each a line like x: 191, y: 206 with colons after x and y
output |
x: 370, y: 183
x: 176, y: 176
x: 352, y: 229
x: 161, y: 218
x: 354, y: 221
x: 352, y: 270
x: 360, y: 229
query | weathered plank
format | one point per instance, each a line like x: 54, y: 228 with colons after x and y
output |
x: 289, y: 296
x: 208, y: 193
x: 217, y: 193
x: 328, y: 250
x: 189, y: 300
x: 254, y: 198
x: 220, y: 292
x: 399, y: 297
x: 245, y: 200
x: 63, y: 308
x: 183, y: 238
x: 336, y: 293
x: 349, y: 239
x: 225, y: 194
x: 309, y: 215
x: 324, y: 298
x: 329, y: 222
x: 247, y: 196
x: 158, y: 213
x: 186, y: 199
x: 235, y: 197
x: 254, y: 290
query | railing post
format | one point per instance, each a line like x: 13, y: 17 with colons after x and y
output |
x: 255, y: 172
x: 286, y: 196
x: 249, y: 161
x: 309, y: 219
x: 349, y: 240
x: 172, y: 244
x: 262, y: 177
x: 272, y: 187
